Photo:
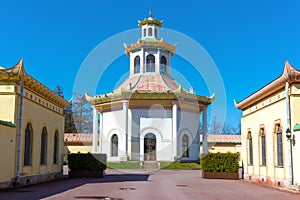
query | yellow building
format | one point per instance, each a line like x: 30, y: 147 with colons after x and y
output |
x: 270, y: 141
x: 31, y: 129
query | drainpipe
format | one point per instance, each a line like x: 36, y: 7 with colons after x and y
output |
x: 19, y: 135
x: 288, y: 135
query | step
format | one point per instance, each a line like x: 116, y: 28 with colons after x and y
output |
x: 150, y: 165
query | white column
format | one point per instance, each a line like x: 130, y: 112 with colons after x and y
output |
x: 157, y: 66
x: 95, y: 129
x: 204, y: 128
x: 101, y: 133
x: 143, y: 61
x: 174, y: 128
x: 125, y: 109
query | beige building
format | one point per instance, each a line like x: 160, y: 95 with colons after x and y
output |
x: 31, y: 129
x: 270, y: 141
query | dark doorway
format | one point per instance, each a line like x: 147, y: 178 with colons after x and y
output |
x: 150, y: 147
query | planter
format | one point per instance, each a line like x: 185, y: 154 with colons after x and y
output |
x: 86, y: 174
x: 220, y: 175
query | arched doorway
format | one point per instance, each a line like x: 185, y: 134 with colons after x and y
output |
x: 150, y: 147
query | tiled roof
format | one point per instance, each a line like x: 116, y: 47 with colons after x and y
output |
x: 223, y: 138
x: 5, y: 123
x: 150, y: 83
x: 78, y: 137
x: 88, y: 137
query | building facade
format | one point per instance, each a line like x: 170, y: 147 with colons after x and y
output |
x: 149, y: 117
x: 31, y: 129
x: 269, y: 131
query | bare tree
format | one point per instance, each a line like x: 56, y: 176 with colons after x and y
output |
x: 82, y: 114
x: 215, y: 126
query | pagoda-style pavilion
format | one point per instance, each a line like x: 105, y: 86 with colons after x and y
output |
x: 149, y: 116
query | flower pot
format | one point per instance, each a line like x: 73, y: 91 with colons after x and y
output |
x: 220, y: 175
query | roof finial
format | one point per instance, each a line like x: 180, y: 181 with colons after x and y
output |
x: 150, y: 12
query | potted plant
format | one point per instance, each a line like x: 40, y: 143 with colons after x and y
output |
x: 220, y: 165
x: 86, y: 165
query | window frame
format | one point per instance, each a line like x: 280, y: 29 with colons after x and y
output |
x: 28, y: 142
x: 114, y: 145
x: 43, y: 158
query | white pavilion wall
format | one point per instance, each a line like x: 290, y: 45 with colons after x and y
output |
x: 158, y: 122
x: 113, y: 123
x: 188, y: 123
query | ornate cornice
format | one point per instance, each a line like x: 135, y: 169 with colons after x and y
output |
x: 151, y: 44
x: 289, y: 74
x: 121, y: 94
x: 17, y: 73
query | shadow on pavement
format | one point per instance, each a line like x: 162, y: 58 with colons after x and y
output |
x: 48, y: 189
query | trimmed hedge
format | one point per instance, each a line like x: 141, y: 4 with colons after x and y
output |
x: 219, y: 162
x: 87, y: 162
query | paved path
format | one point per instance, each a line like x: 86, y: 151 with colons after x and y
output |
x: 136, y: 184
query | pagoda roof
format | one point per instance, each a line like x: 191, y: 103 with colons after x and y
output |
x: 149, y: 87
x: 150, y: 43
x: 150, y: 20
x: 17, y: 73
x: 289, y: 74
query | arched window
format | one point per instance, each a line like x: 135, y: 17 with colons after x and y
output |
x: 155, y: 32
x: 150, y: 63
x: 250, y: 149
x: 56, y: 150
x: 163, y: 64
x: 150, y: 32
x: 263, y: 147
x: 44, y: 146
x: 137, y: 64
x: 114, y: 145
x: 144, y: 32
x: 28, y: 145
x: 279, y: 148
x: 185, y: 146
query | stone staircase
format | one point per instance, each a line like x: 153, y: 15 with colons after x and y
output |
x: 150, y: 165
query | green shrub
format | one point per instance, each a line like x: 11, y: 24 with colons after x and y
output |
x: 87, y: 162
x: 219, y: 162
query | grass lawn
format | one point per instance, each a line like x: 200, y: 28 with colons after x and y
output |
x: 178, y: 165
x: 163, y: 165
x: 123, y: 165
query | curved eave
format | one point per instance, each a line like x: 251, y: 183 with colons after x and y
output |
x: 12, y: 74
x: 289, y: 74
x: 143, y: 44
x: 17, y: 73
x: 129, y: 95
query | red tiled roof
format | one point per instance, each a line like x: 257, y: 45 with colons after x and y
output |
x: 78, y: 137
x: 223, y: 138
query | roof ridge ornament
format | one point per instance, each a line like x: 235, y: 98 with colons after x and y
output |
x: 150, y: 12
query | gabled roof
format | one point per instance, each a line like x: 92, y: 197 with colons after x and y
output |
x: 17, y: 73
x: 289, y: 74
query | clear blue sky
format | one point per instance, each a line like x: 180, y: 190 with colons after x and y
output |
x: 248, y: 40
